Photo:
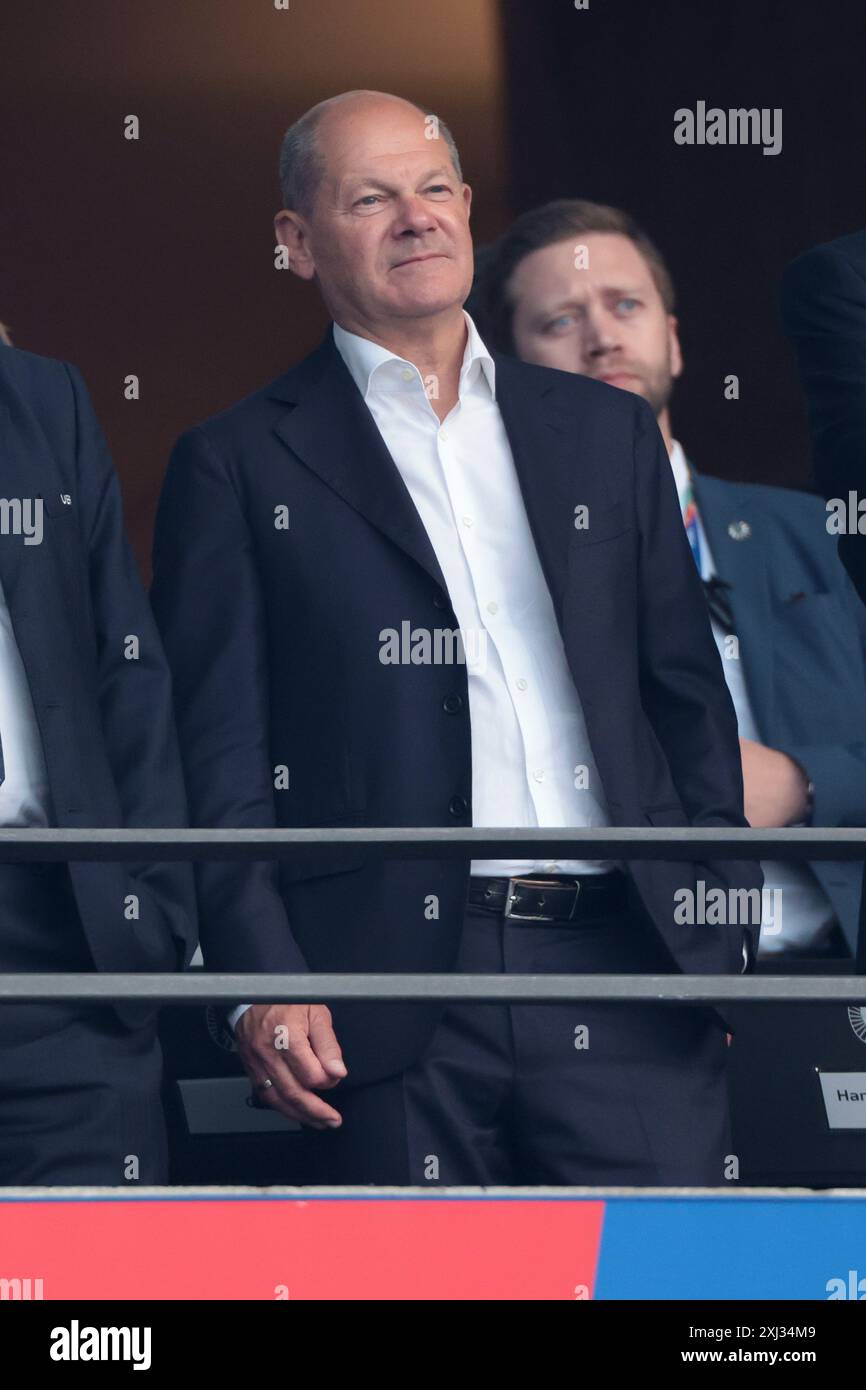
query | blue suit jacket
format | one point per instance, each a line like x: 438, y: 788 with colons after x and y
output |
x: 105, y: 722
x: 273, y: 638
x: 802, y: 631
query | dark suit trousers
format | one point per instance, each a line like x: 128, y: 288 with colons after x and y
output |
x: 503, y: 1095
x: 79, y: 1091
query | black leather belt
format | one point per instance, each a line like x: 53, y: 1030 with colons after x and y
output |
x: 551, y: 898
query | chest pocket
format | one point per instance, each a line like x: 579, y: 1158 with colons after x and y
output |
x: 818, y: 669
x: 602, y: 523
x: 58, y: 517
x: 58, y: 505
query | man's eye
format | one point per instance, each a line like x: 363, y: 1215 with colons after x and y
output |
x: 367, y: 200
x: 558, y: 324
x: 627, y: 305
x: 439, y: 188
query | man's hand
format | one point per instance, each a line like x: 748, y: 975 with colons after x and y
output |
x: 295, y: 1047
x: 776, y: 787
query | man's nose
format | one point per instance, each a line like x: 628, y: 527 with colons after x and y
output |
x: 600, y: 333
x: 413, y: 215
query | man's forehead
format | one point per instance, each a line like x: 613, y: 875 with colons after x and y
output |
x: 586, y: 262
x: 599, y: 252
x: 367, y: 138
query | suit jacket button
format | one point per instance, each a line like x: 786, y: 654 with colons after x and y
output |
x: 452, y: 704
x: 458, y: 806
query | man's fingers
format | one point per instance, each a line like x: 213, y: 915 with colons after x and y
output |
x: 310, y: 1050
x: 296, y: 1103
x: 323, y: 1041
x: 296, y: 1048
x: 279, y: 1039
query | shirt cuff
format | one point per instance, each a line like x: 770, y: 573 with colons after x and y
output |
x: 236, y: 1013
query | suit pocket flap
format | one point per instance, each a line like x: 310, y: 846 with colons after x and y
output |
x: 320, y: 863
x: 602, y: 524
x: 666, y: 815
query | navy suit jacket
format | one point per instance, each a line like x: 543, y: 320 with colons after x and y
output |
x: 802, y: 644
x: 273, y: 638
x: 105, y: 722
x: 824, y: 312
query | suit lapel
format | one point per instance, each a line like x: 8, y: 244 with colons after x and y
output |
x: 543, y: 447
x: 736, y: 532
x: 331, y: 431
x: 13, y: 483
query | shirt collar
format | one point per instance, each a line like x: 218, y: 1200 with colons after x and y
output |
x: 364, y: 358
x: 680, y: 470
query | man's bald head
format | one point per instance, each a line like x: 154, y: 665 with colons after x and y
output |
x: 302, y: 161
x: 377, y: 213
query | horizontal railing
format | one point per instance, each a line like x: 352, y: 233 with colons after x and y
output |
x: 200, y: 987
x: 437, y: 842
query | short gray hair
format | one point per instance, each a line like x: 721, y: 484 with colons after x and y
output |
x: 301, y: 162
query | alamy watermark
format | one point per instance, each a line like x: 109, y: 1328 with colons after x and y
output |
x: 720, y: 907
x: 438, y: 646
x: 22, y: 516
x: 846, y: 517
x: 21, y: 1290
x: 77, y: 1343
x: 737, y: 126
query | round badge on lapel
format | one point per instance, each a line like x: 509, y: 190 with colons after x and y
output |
x: 739, y: 530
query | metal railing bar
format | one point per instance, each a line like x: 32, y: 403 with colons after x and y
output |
x: 202, y: 987
x: 436, y: 842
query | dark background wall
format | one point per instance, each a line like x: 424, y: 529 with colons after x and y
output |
x: 591, y: 102
x: 155, y: 256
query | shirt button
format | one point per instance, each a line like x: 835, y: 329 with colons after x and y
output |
x: 493, y: 608
x: 551, y: 868
x: 443, y: 436
x: 407, y: 374
x: 538, y: 774
x: 467, y: 520
x: 521, y: 683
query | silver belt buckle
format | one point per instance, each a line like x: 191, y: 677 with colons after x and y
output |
x: 535, y: 916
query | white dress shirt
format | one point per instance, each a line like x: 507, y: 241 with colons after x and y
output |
x: 531, y: 760
x: 24, y: 794
x: 807, y: 915
x: 532, y: 764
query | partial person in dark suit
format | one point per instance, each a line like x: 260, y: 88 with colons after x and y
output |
x: 88, y: 740
x: 580, y: 286
x: 824, y: 313
x: 415, y: 583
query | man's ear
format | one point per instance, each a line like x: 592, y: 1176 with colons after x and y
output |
x: 292, y: 232
x: 676, y: 352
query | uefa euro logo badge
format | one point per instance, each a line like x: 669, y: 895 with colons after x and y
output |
x: 220, y: 1034
x: 857, y: 1019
